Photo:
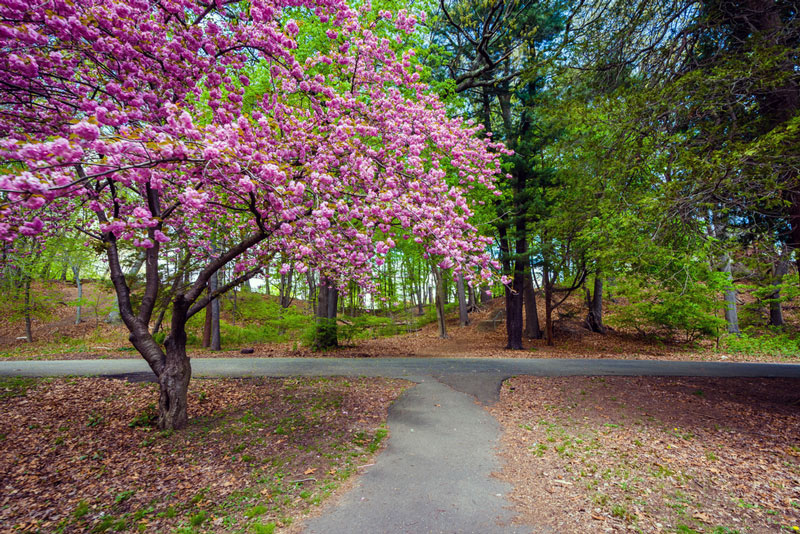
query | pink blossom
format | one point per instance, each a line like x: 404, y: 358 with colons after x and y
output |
x: 86, y: 130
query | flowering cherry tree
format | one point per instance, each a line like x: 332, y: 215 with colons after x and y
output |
x: 135, y: 113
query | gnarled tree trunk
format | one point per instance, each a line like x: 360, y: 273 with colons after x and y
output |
x: 594, y: 319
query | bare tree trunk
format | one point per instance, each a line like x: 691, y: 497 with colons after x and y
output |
x: 548, y: 305
x: 207, y: 324
x: 775, y: 307
x: 731, y: 315
x: 463, y: 316
x: 28, y: 325
x: 326, y: 336
x: 437, y: 277
x: 532, y: 328
x: 594, y: 319
x: 216, y: 343
x: 312, y: 290
x: 286, y: 289
x: 76, y: 272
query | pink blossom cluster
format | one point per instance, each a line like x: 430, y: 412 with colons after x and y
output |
x: 138, y: 112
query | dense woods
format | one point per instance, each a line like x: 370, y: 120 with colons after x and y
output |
x: 370, y: 163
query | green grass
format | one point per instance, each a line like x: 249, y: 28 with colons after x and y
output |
x: 773, y: 344
x: 16, y: 386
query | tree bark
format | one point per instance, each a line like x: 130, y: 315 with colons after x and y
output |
x: 173, y: 380
x: 76, y: 272
x: 532, y: 328
x: 775, y: 307
x: 548, y: 305
x: 731, y: 314
x: 437, y: 277
x: 286, y: 289
x: 463, y: 316
x: 594, y: 319
x: 216, y: 342
x: 326, y: 335
x: 207, y: 324
x: 27, y: 311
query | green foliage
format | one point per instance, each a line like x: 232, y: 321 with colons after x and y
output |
x: 259, y: 319
x: 147, y: 418
x: 779, y: 344
x: 689, y: 307
x: 263, y: 528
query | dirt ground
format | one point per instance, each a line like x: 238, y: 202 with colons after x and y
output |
x: 81, y: 454
x: 653, y: 455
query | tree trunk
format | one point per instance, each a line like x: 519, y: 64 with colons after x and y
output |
x: 113, y: 315
x: 312, y: 290
x: 775, y: 307
x: 463, y: 316
x: 28, y: 322
x: 326, y: 336
x: 207, y: 323
x: 731, y: 315
x: 594, y: 319
x: 216, y: 342
x: 532, y: 328
x: 437, y: 277
x: 286, y: 289
x: 173, y: 380
x: 76, y: 272
x: 548, y: 305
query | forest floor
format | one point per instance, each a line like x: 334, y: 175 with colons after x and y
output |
x: 653, y: 454
x: 59, y: 338
x: 81, y: 454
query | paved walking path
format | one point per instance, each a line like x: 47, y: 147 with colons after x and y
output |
x: 435, y: 475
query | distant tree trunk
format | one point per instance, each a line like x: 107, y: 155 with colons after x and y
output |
x: 27, y: 311
x: 463, y: 316
x: 532, y: 328
x: 326, y: 336
x: 76, y: 272
x: 437, y: 277
x: 548, y: 305
x: 731, y: 315
x: 286, y: 289
x: 64, y: 272
x: 775, y: 307
x: 114, y: 315
x: 311, y: 281
x: 485, y: 294
x: 207, y: 323
x: 216, y: 342
x: 594, y: 319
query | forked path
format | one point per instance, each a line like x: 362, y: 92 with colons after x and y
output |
x: 435, y: 474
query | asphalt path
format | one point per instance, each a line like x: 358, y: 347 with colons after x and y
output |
x: 435, y: 474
